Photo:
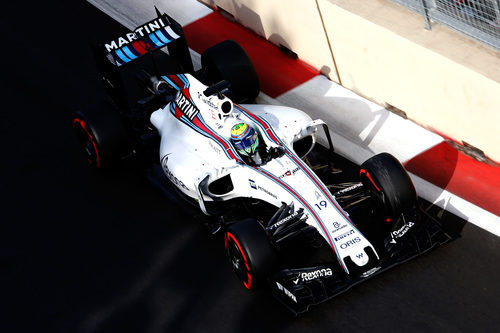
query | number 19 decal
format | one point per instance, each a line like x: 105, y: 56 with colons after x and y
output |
x: 322, y: 204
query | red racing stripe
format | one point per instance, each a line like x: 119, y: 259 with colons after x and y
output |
x: 277, y: 72
x: 450, y: 169
x: 200, y: 125
x: 304, y: 203
x: 140, y: 46
x: 177, y: 81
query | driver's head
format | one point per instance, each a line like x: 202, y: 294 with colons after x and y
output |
x: 245, y: 139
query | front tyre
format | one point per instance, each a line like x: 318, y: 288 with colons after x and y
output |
x: 389, y: 183
x: 250, y: 252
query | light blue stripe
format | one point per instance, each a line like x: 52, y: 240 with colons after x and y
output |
x: 187, y: 122
x: 129, y: 53
x: 299, y: 163
x: 162, y: 37
x: 172, y: 83
x: 200, y: 118
x: 184, y: 79
x: 155, y: 40
x: 122, y: 56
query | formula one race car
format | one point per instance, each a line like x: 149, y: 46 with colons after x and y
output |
x: 291, y: 220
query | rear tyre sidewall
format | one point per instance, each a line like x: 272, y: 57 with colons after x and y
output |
x: 102, y: 135
x: 229, y: 61
x: 259, y: 257
x: 389, y: 183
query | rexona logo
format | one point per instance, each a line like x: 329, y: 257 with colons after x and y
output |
x: 344, y: 235
x: 350, y: 243
x: 186, y: 106
x: 142, y: 31
x: 286, y: 292
x: 308, y: 276
x: 404, y: 229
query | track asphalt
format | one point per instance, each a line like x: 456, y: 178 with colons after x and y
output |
x: 83, y: 251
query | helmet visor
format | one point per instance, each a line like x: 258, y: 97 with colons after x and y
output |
x: 248, y: 145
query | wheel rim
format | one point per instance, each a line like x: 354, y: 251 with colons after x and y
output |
x: 238, y: 260
x: 87, y: 142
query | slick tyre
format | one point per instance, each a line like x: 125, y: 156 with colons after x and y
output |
x: 102, y: 135
x: 250, y: 253
x: 228, y: 61
x: 389, y: 183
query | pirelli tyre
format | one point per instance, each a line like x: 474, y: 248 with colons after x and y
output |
x: 250, y: 252
x: 102, y: 135
x: 228, y: 61
x: 389, y: 183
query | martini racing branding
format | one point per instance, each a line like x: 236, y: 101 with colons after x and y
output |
x: 349, y: 243
x: 403, y: 230
x: 142, y: 31
x: 344, y: 235
x: 286, y: 292
x: 186, y: 106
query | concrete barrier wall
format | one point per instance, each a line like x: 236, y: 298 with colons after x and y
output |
x: 439, y: 78
x: 295, y: 24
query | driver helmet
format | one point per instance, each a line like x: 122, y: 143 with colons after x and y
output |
x: 245, y: 139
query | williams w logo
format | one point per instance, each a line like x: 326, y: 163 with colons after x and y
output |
x: 359, y: 255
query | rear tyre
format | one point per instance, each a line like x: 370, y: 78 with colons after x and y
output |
x: 389, y: 183
x: 250, y: 252
x: 228, y: 61
x: 101, y: 135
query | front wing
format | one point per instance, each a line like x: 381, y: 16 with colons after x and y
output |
x: 300, y: 288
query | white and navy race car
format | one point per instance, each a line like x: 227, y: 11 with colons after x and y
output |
x: 291, y: 220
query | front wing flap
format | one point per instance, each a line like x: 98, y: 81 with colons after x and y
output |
x: 300, y: 288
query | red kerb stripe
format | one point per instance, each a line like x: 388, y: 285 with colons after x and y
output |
x: 277, y: 72
x: 450, y: 169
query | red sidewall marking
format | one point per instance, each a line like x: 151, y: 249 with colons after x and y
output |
x: 83, y: 125
x: 248, y: 283
x: 367, y: 174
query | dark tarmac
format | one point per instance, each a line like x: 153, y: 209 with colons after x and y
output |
x: 85, y: 251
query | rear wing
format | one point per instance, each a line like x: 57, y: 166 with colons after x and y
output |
x: 148, y: 37
x: 121, y: 59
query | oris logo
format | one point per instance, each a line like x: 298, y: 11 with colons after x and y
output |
x: 350, y: 243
